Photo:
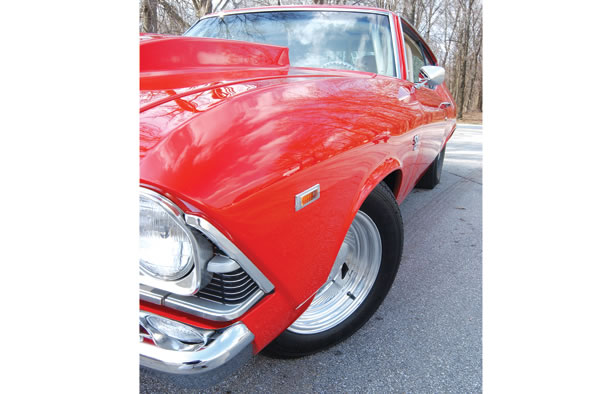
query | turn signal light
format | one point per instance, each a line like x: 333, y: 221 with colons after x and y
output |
x: 308, y: 196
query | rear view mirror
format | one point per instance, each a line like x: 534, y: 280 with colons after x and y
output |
x: 431, y: 76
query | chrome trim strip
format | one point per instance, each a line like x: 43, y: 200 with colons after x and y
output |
x: 211, y: 310
x: 226, y: 346
x: 152, y: 295
x: 199, y: 306
x: 404, y: 44
x: 394, y: 43
x: 231, y: 250
x: 276, y: 9
x: 202, y: 252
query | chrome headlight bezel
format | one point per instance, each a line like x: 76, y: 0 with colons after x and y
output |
x: 202, y: 251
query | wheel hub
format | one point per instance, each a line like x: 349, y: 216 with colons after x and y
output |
x: 350, y: 281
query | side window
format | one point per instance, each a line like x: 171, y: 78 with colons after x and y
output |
x: 428, y: 60
x: 414, y: 58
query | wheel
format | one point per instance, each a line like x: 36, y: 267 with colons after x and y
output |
x: 433, y: 174
x: 362, y: 275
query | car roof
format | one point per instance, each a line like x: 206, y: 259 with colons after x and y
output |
x: 300, y: 7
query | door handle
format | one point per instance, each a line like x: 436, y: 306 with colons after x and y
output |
x: 444, y: 105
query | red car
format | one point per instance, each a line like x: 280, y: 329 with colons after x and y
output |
x: 275, y: 146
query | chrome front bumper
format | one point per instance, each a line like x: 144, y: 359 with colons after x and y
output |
x: 226, y: 351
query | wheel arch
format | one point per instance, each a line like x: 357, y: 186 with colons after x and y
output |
x: 393, y: 180
x: 390, y: 172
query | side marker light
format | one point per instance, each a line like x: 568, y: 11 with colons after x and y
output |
x: 308, y: 196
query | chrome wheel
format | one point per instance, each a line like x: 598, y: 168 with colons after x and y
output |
x: 350, y: 281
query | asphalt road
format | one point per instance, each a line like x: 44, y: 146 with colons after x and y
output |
x: 426, y: 336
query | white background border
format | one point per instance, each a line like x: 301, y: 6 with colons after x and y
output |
x: 69, y: 159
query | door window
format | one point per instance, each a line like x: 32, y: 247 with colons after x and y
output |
x: 414, y: 58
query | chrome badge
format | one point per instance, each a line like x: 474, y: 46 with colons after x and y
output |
x: 416, y: 142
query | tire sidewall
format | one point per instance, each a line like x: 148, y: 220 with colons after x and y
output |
x: 439, y: 165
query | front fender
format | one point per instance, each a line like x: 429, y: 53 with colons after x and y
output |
x: 242, y: 176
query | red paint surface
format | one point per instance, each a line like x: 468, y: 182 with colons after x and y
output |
x: 234, y: 143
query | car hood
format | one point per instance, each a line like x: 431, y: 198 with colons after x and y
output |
x: 182, y: 78
x: 172, y: 67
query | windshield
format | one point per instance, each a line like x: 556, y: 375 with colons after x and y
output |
x: 323, y: 39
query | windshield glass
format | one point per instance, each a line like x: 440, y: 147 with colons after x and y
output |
x: 323, y: 39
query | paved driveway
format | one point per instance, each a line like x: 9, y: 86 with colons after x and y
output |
x: 426, y: 336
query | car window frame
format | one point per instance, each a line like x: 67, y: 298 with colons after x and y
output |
x: 428, y: 57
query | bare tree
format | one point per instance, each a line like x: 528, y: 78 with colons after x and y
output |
x: 148, y: 16
x: 202, y: 7
x: 475, y: 60
x: 464, y: 56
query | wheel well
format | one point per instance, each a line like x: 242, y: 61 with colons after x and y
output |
x: 393, y: 181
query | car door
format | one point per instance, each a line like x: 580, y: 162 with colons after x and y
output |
x: 433, y: 102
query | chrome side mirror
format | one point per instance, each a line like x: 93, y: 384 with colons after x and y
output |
x: 431, y: 76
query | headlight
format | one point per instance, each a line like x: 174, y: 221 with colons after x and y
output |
x: 165, y: 247
x: 172, y: 258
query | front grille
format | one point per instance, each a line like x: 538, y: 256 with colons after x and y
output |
x: 230, y: 288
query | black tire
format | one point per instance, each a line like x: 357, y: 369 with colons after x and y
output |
x: 383, y: 210
x: 432, y: 176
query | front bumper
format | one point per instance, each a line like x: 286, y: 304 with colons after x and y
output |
x: 228, y: 349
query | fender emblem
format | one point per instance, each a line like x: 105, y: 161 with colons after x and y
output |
x: 416, y: 140
x: 308, y: 196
